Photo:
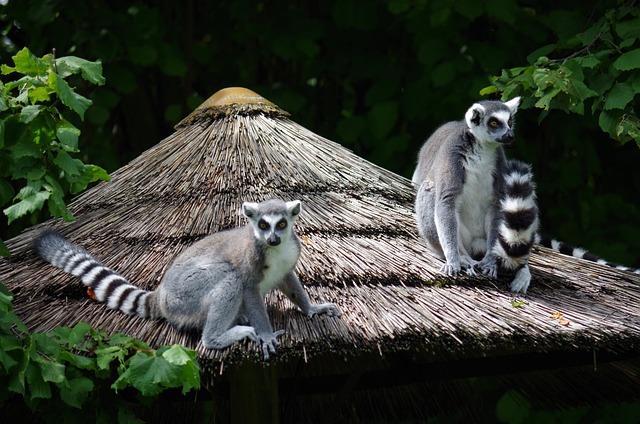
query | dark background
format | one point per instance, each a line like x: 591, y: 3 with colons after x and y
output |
x: 376, y: 76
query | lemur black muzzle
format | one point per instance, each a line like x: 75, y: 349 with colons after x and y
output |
x: 508, y: 138
x: 273, y: 240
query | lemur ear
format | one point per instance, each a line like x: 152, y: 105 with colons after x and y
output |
x: 513, y: 104
x: 474, y: 115
x: 249, y: 209
x: 294, y: 207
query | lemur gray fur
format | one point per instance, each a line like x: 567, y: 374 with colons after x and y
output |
x: 217, y: 285
x: 476, y: 209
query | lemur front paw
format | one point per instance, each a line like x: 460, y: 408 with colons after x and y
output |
x: 329, y: 309
x: 269, y: 342
x: 451, y: 268
x: 488, y: 266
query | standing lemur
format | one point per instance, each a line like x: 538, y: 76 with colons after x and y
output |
x: 217, y: 285
x: 476, y: 209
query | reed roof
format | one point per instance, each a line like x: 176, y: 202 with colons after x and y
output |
x: 360, y: 250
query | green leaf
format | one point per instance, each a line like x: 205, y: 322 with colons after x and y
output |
x: 38, y: 387
x: 29, y: 168
x: 40, y: 94
x: 90, y: 71
x: 58, y: 207
x: 108, y: 354
x: 29, y: 64
x: 78, y: 333
x: 150, y: 374
x: 186, y: 359
x: 6, y: 191
x: 629, y: 29
x: 178, y: 355
x: 628, y: 61
x: 29, y: 205
x: 7, y: 361
x: 96, y: 173
x: 619, y: 97
x: 76, y: 391
x: 588, y: 61
x: 608, y: 121
x: 52, y: 371
x: 30, y: 189
x: 78, y: 361
x: 545, y: 100
x: 488, y: 90
x: 68, y: 136
x: 70, y: 166
x: 17, y: 378
x: 29, y: 113
x: 6, y: 297
x: 46, y: 344
x: 70, y: 98
x: 6, y: 70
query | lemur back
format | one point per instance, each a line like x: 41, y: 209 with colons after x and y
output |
x: 215, y: 284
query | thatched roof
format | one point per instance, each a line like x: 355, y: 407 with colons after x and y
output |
x: 360, y: 250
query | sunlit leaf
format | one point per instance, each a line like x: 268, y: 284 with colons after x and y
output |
x: 90, y: 71
x: 29, y: 205
x: 29, y: 64
x: 68, y: 96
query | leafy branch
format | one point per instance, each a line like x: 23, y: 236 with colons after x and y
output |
x: 602, y: 75
x: 37, y: 142
x: 77, y: 368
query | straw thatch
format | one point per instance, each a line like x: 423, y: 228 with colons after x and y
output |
x: 360, y: 251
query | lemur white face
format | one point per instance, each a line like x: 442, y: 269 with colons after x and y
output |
x: 272, y: 220
x: 492, y: 122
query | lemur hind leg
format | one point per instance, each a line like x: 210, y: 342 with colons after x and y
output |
x: 439, y: 228
x: 425, y: 210
x: 224, y: 303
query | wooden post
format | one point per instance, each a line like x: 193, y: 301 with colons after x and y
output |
x: 254, y: 394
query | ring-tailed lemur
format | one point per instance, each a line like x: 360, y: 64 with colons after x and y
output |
x: 215, y: 285
x: 476, y: 209
x: 462, y: 209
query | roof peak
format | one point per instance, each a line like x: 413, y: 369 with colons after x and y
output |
x: 232, y: 100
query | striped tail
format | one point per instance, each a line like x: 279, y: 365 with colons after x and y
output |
x: 578, y: 252
x: 107, y: 285
x: 519, y: 216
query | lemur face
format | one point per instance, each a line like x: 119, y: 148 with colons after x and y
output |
x: 272, y: 220
x: 493, y: 121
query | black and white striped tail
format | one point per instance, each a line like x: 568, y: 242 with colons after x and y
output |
x: 107, y: 285
x: 578, y: 252
x: 519, y: 216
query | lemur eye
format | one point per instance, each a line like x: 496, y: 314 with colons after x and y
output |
x: 493, y: 123
x: 262, y: 224
x: 510, y: 122
x: 282, y: 224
